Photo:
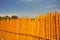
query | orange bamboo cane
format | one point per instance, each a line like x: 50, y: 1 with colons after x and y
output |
x: 57, y: 25
x: 37, y: 26
x: 29, y: 29
x: 2, y: 24
x: 42, y: 26
x: 48, y: 25
x: 53, y: 37
x: 29, y: 26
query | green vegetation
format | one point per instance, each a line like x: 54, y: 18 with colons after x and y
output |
x: 8, y: 17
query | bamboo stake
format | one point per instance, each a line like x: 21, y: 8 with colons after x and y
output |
x: 42, y: 26
x: 57, y: 25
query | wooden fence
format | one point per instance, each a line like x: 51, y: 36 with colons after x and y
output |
x: 43, y: 27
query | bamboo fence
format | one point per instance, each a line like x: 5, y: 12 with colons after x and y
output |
x: 43, y: 27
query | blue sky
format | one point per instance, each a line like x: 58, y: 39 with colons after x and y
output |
x: 28, y: 7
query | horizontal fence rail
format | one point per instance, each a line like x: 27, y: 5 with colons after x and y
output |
x: 26, y: 35
x: 43, y: 27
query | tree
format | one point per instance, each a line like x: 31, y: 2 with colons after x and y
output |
x: 7, y: 17
x: 1, y: 18
x: 14, y: 17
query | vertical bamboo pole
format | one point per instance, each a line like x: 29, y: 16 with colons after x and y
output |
x: 2, y: 24
x: 33, y: 27
x: 16, y: 28
x: 20, y: 30
x: 53, y: 37
x: 8, y: 25
x: 19, y: 25
x: 29, y: 30
x: 29, y: 25
x: 6, y: 34
x: 0, y: 29
x: 48, y: 25
x: 15, y: 25
x: 24, y: 28
x: 54, y: 28
x: 57, y: 25
x: 37, y: 26
x: 3, y: 28
x: 11, y: 28
x: 24, y: 25
x: 7, y: 29
x: 12, y: 25
x: 42, y: 26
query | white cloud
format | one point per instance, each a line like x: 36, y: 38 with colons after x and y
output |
x: 33, y: 0
x: 36, y: 0
x: 29, y: 0
x: 31, y: 14
x: 50, y: 6
x: 9, y: 14
x: 52, y: 0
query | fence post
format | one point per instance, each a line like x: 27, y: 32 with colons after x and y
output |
x: 57, y: 24
x: 42, y: 26
x: 48, y: 25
